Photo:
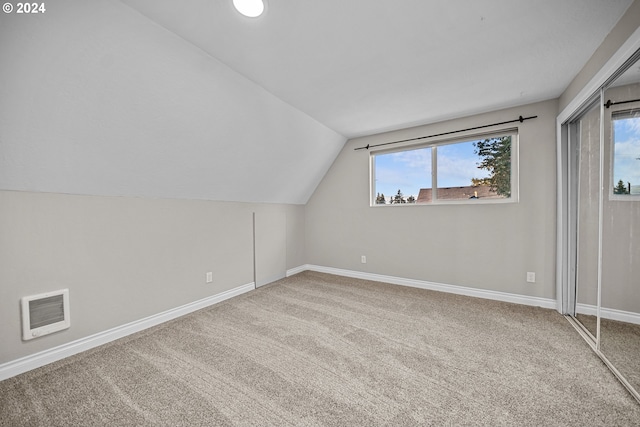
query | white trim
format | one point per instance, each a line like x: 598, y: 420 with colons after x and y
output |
x: 297, y: 270
x: 561, y: 223
x: 270, y: 279
x: 462, y: 138
x: 609, y: 313
x: 27, y: 363
x: 584, y: 333
x: 628, y: 48
x: 452, y: 289
x: 625, y: 51
x: 618, y: 375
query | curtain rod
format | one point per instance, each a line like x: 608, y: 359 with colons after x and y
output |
x: 519, y: 119
x: 609, y: 103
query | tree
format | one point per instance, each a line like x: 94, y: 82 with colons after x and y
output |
x: 380, y: 200
x: 480, y: 181
x: 411, y: 199
x: 620, y: 188
x: 496, y: 158
x: 398, y: 198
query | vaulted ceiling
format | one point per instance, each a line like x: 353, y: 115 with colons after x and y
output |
x: 365, y: 66
x: 189, y: 99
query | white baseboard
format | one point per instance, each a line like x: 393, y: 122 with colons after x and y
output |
x: 27, y: 363
x: 609, y: 313
x: 297, y: 270
x: 452, y: 289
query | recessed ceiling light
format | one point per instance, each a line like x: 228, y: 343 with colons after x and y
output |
x: 250, y: 8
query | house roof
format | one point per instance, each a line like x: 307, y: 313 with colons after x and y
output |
x: 458, y: 193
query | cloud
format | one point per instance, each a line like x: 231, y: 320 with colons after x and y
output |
x: 414, y: 159
x: 454, y: 171
x: 407, y: 170
x: 411, y: 170
x: 628, y: 149
x: 626, y: 166
x: 628, y: 126
x: 626, y: 163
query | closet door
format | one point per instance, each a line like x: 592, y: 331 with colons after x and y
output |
x: 584, y: 173
x: 620, y: 283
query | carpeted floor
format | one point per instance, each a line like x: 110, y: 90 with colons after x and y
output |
x: 620, y: 344
x: 322, y: 350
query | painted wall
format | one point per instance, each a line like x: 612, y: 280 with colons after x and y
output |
x: 123, y: 258
x: 588, y: 207
x: 487, y: 246
x: 621, y: 221
x: 618, y: 35
x: 131, y: 163
x: 621, y: 218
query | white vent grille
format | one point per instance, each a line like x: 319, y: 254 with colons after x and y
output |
x: 45, y: 313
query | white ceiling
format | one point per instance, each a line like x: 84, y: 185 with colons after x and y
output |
x: 361, y: 66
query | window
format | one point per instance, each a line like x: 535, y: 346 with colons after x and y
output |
x: 625, y: 169
x: 480, y: 168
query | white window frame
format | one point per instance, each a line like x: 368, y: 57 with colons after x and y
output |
x: 515, y: 156
x: 612, y: 196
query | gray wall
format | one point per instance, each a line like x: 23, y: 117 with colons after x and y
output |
x: 487, y: 246
x: 618, y: 35
x: 124, y: 258
x: 588, y: 208
x: 110, y: 104
x: 131, y: 163
x: 620, y: 220
x: 619, y: 272
x: 621, y: 223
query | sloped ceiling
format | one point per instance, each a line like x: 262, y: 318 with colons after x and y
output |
x: 365, y: 66
x: 188, y: 99
x: 97, y: 99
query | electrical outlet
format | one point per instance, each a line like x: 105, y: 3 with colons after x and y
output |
x: 363, y: 259
x: 209, y: 277
x: 531, y: 277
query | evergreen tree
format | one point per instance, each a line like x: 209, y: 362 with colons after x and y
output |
x: 620, y: 188
x: 496, y: 158
x: 411, y: 199
x: 398, y: 198
x: 380, y: 200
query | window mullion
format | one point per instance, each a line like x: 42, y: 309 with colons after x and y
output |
x: 434, y: 174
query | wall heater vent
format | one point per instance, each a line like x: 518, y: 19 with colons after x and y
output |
x: 45, y: 313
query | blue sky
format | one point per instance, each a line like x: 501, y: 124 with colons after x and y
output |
x: 411, y: 170
x: 626, y: 166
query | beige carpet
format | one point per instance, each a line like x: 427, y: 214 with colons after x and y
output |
x: 321, y: 350
x: 620, y: 344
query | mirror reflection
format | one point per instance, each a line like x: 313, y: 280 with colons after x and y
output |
x: 620, y: 288
x: 584, y: 140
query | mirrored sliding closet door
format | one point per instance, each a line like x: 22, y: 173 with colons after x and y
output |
x: 601, y: 161
x: 619, y: 339
x: 584, y: 146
